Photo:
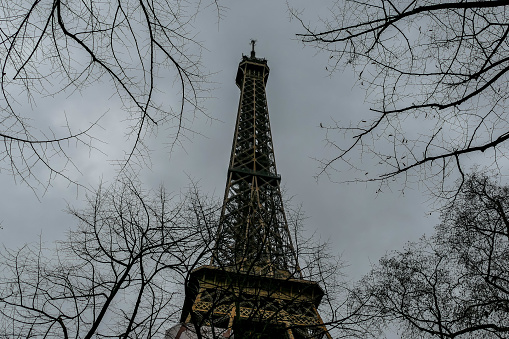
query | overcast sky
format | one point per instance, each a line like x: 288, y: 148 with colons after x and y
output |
x: 360, y: 224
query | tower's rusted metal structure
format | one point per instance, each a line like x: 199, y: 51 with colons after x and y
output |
x: 253, y: 287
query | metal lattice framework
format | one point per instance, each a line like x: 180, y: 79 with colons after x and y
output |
x: 253, y: 286
x: 254, y: 231
x: 254, y: 305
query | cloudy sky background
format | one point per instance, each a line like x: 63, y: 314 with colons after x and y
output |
x: 360, y: 224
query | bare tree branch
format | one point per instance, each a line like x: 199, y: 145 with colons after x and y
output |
x: 452, y: 285
x: 437, y: 73
x: 57, y: 49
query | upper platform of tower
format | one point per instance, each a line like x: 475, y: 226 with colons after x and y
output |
x: 252, y: 67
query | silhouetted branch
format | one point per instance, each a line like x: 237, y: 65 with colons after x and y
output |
x: 437, y: 75
x: 56, y: 49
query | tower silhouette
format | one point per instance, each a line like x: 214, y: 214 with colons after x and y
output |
x: 253, y: 286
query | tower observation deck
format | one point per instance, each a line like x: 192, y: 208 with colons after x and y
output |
x: 253, y: 286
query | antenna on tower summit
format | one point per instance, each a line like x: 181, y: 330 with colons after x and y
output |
x: 253, y: 43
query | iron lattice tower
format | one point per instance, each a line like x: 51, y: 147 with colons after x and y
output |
x: 253, y: 286
x: 253, y: 228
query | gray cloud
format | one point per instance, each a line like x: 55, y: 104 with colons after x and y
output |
x: 360, y: 224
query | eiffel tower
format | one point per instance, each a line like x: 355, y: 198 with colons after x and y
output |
x: 253, y: 286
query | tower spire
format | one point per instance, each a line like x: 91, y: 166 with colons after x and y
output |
x: 253, y: 43
x: 253, y: 286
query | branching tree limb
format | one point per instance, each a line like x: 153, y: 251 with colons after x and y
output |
x: 56, y: 49
x: 452, y: 285
x: 437, y: 74
x: 115, y: 275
